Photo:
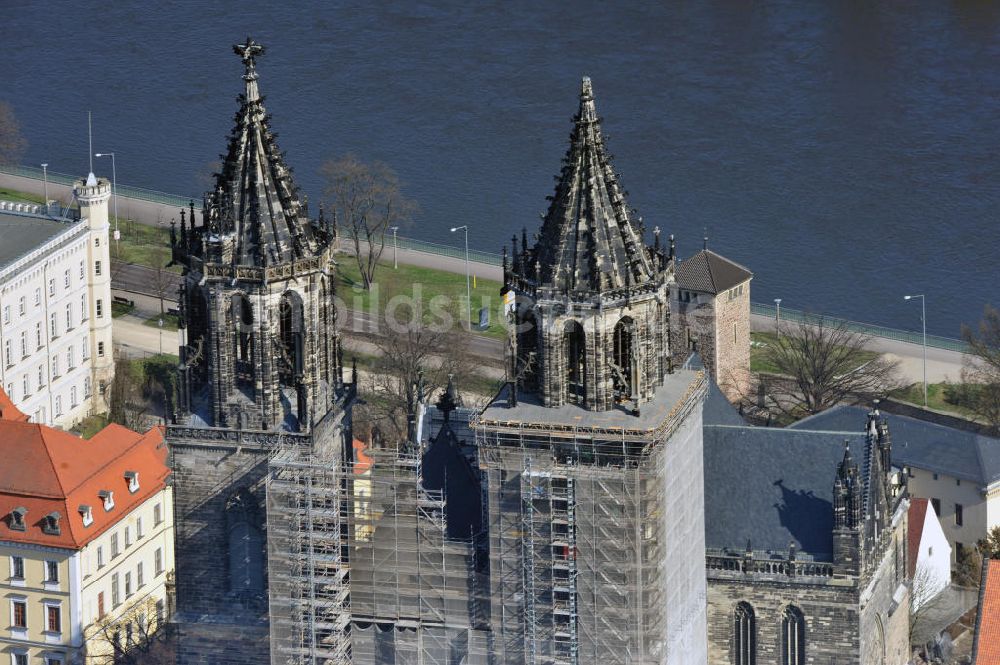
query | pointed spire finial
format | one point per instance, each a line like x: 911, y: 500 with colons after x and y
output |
x: 588, y: 110
x: 248, y: 53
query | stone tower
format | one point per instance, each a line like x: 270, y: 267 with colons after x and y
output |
x: 592, y: 300
x: 259, y: 372
x: 93, y: 195
x: 591, y: 456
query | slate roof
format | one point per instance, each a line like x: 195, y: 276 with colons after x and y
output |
x: 986, y: 648
x: 23, y: 233
x: 255, y: 198
x: 921, y: 444
x: 773, y: 486
x: 709, y: 272
x: 588, y: 241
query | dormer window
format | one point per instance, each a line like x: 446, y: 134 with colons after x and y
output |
x: 17, y: 522
x: 87, y: 514
x: 108, y: 497
x: 50, y: 525
x: 132, y: 477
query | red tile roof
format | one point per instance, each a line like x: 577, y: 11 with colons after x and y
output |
x: 914, y: 532
x: 46, y: 471
x: 7, y: 409
x: 986, y: 650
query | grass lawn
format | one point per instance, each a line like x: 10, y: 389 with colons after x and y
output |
x: 947, y: 397
x: 421, y: 285
x: 14, y: 195
x: 760, y: 362
x: 120, y: 309
x: 143, y: 245
x: 169, y: 322
x: 91, y: 425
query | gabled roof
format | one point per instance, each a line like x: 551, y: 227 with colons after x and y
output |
x: 255, y: 198
x: 8, y: 411
x: 47, y: 471
x: 916, y: 518
x: 925, y: 445
x: 588, y: 241
x: 773, y: 486
x: 709, y: 272
x: 986, y: 648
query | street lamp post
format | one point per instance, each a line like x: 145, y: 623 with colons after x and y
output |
x: 114, y: 188
x: 468, y: 284
x: 923, y: 322
x: 45, y: 185
x: 395, y: 262
x: 777, y: 310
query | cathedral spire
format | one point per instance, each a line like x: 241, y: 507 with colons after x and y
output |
x: 255, y: 209
x: 589, y: 242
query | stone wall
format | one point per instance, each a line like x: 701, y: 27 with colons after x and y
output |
x: 206, y: 475
x: 732, y: 346
x: 830, y: 611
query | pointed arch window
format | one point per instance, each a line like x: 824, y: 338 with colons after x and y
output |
x: 576, y: 362
x: 744, y: 635
x: 793, y: 636
x: 624, y: 365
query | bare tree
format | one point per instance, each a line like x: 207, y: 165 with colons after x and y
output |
x: 12, y: 144
x: 821, y: 365
x: 126, y: 405
x: 990, y: 545
x: 135, y: 636
x: 982, y: 367
x: 366, y: 201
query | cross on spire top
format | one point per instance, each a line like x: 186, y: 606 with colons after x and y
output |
x: 248, y: 51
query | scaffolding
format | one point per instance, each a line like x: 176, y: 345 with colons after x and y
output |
x: 577, y: 523
x: 414, y: 592
x: 309, y: 593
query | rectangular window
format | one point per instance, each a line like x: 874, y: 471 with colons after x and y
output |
x: 38, y: 296
x: 70, y: 358
x: 52, y: 287
x: 73, y: 402
x: 86, y: 387
x: 58, y: 405
x: 128, y: 584
x: 51, y: 571
x: 53, y: 326
x: 114, y: 545
x: 24, y: 385
x: 138, y: 528
x: 138, y: 575
x: 157, y: 514
x: 935, y: 476
x: 17, y: 567
x: 6, y: 313
x: 20, y: 659
x: 22, y: 306
x: 83, y: 307
x: 937, y: 506
x: 100, y: 605
x: 53, y: 660
x: 958, y: 514
x: 20, y: 613
x: 81, y: 270
x: 69, y: 316
x: 100, y: 556
x: 54, y: 621
x: 158, y: 561
x: 24, y: 345
x: 38, y: 334
x: 66, y: 278
x: 128, y: 536
x: 97, y: 267
x: 10, y: 391
x: 55, y: 367
x: 85, y: 348
x: 115, y: 595
x: 100, y: 349
x: 8, y: 354
x: 99, y: 308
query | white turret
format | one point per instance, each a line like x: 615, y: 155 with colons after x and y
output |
x: 93, y: 195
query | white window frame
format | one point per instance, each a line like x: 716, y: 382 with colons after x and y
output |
x: 62, y: 619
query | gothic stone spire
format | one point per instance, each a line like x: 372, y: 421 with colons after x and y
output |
x: 589, y: 242
x: 255, y: 200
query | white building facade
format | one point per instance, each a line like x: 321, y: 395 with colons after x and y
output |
x: 55, y: 307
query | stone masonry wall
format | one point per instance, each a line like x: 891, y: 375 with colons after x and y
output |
x: 732, y: 346
x: 831, y: 616
x: 205, y: 476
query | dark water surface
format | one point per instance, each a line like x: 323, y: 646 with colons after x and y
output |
x: 847, y: 152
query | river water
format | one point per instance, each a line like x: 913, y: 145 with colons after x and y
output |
x: 845, y: 151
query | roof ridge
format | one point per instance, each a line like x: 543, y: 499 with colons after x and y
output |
x: 48, y: 455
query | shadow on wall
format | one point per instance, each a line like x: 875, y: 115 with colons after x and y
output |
x: 807, y: 517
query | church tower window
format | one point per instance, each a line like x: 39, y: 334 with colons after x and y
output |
x: 576, y: 364
x: 744, y: 635
x: 793, y: 637
x: 623, y: 359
